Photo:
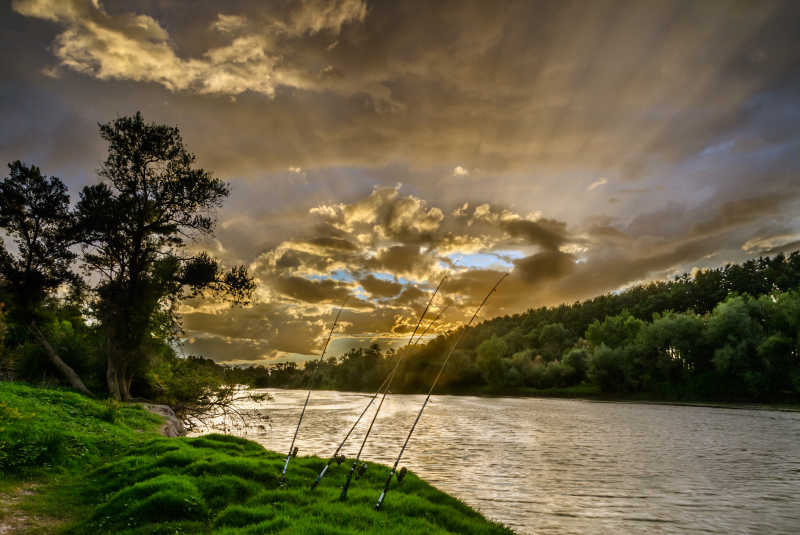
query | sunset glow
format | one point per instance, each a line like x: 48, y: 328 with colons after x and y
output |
x: 373, y: 147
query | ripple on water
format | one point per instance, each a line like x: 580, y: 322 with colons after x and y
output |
x: 563, y: 466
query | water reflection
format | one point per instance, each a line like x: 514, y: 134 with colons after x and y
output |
x: 562, y: 466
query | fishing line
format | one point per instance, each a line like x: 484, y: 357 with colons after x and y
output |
x: 292, y: 449
x: 428, y: 397
x: 383, y: 398
x: 434, y: 320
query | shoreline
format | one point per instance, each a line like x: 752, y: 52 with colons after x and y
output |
x: 594, y: 398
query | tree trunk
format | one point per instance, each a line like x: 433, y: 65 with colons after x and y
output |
x: 112, y: 377
x: 72, y: 377
x: 125, y: 380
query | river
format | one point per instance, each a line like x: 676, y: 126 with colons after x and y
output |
x: 549, y: 466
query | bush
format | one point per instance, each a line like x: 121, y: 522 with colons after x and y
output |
x: 614, y: 331
x: 609, y: 368
x: 577, y: 358
x: 76, y: 346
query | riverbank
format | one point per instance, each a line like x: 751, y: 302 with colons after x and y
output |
x: 76, y: 466
x: 586, y: 392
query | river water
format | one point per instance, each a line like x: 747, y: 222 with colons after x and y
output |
x: 564, y: 466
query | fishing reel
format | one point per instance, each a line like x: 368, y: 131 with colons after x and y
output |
x: 361, y: 469
x: 294, y: 451
x: 340, y: 459
x: 401, y: 474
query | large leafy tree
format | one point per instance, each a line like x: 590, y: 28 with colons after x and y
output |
x: 137, y: 222
x: 35, y: 214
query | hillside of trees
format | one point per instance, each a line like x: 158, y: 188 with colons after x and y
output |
x: 726, y: 334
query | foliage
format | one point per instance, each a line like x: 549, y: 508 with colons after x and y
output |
x: 76, y: 344
x: 153, y: 199
x: 203, y: 394
x: 743, y: 348
x: 4, y: 362
x: 614, y: 331
x: 34, y: 212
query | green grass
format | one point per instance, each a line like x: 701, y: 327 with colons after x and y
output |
x: 55, y: 430
x: 130, y: 481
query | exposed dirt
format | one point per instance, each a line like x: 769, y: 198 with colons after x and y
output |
x: 14, y: 519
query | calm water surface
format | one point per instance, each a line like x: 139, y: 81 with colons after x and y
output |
x: 563, y: 466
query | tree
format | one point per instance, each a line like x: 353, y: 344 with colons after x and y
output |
x: 34, y: 212
x: 136, y: 223
x: 614, y: 331
x: 491, y: 353
x: 553, y: 340
x: 610, y: 368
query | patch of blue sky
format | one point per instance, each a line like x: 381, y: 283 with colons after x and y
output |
x: 485, y: 260
x: 339, y: 275
x: 360, y: 293
x: 510, y: 253
x: 388, y: 277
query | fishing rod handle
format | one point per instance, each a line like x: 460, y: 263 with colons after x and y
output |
x: 343, y: 495
x: 286, y: 464
x: 383, y: 492
x: 320, y: 476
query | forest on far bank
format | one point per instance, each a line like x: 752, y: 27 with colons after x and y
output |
x: 725, y: 334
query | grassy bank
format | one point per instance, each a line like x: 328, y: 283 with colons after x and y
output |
x: 101, y: 468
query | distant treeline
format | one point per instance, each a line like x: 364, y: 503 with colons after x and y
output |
x: 731, y: 333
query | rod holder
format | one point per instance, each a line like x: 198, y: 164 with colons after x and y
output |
x: 361, y: 470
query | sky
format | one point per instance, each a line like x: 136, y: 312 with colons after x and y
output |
x: 374, y: 147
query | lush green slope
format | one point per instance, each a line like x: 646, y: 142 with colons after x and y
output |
x: 55, y: 430
x: 118, y: 476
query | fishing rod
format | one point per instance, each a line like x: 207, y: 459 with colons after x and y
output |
x: 383, y: 398
x: 292, y: 449
x: 434, y: 320
x: 402, y: 472
x: 335, y: 456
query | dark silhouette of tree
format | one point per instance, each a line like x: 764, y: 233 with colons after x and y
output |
x: 34, y: 212
x: 136, y: 224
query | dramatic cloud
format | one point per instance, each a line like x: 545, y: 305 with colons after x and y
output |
x: 373, y: 147
x: 132, y: 46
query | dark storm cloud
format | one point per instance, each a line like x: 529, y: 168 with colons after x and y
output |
x: 546, y: 233
x: 380, y: 288
x: 475, y: 84
x: 405, y: 260
x: 734, y: 213
x: 546, y: 265
x: 311, y: 291
x: 334, y: 243
x: 262, y: 330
